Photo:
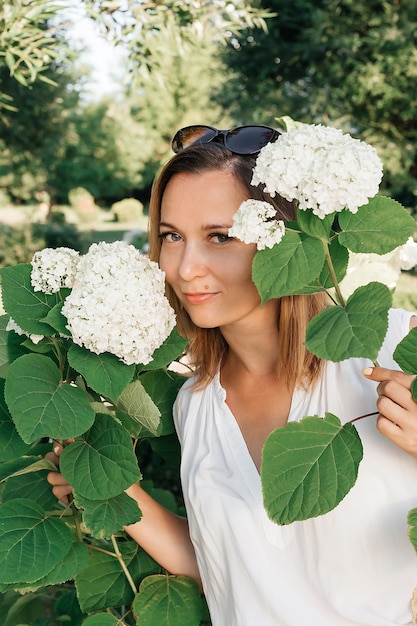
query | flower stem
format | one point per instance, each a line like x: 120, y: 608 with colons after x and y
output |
x: 360, y: 417
x: 330, y: 265
x: 123, y: 564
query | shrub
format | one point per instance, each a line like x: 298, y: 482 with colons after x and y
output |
x: 127, y: 210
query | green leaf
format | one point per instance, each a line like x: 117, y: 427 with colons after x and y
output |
x: 11, y: 443
x: 163, y: 386
x: 102, y: 584
x: 288, y: 267
x: 139, y: 405
x: 414, y: 390
x: 172, y: 348
x: 41, y: 404
x: 10, y: 346
x: 106, y: 517
x: 36, y: 466
x: 308, y: 467
x: 412, y: 531
x: 67, y: 569
x: 104, y: 373
x: 313, y: 225
x: 57, y: 320
x: 26, y: 306
x: 4, y: 352
x: 33, y: 486
x: 405, y: 354
x: 340, y: 258
x: 378, y: 227
x: 31, y: 545
x: 168, y: 601
x: 358, y: 330
x: 16, y: 466
x: 101, y: 464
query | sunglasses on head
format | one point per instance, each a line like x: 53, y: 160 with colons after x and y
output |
x: 240, y: 140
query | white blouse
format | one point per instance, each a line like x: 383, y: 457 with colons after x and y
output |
x: 353, y: 566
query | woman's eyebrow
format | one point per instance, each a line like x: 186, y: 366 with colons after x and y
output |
x: 205, y: 227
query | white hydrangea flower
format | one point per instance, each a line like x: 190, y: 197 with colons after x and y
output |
x: 383, y: 268
x: 54, y: 268
x: 11, y: 325
x: 320, y: 167
x: 254, y: 223
x: 118, y: 303
x: 407, y: 254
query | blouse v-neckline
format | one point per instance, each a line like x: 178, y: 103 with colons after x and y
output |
x: 235, y: 440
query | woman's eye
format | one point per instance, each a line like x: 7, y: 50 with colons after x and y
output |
x: 221, y: 237
x: 168, y: 236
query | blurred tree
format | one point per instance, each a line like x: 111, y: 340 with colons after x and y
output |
x: 348, y: 63
x: 27, y: 44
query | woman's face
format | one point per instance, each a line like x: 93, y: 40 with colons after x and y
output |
x: 209, y: 271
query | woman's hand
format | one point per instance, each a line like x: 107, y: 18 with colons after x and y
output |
x: 397, y: 419
x: 60, y: 487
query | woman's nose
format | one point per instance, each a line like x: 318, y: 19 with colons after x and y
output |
x: 193, y: 263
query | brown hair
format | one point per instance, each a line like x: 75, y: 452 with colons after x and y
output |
x: 207, y: 346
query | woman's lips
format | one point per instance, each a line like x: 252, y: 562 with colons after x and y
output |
x: 198, y: 298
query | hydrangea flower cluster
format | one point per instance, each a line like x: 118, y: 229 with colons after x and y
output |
x: 53, y: 269
x: 322, y: 168
x: 118, y: 304
x: 254, y: 223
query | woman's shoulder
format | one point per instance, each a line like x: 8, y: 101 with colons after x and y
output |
x: 193, y: 399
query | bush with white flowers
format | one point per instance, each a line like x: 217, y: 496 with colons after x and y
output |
x: 85, y: 346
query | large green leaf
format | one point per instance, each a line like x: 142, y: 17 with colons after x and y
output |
x: 41, y: 404
x: 4, y: 352
x: 163, y: 386
x: 64, y: 571
x: 26, y: 306
x: 168, y: 601
x: 10, y: 346
x: 313, y: 225
x: 106, y: 517
x: 288, y: 267
x: 33, y: 486
x: 11, y: 443
x: 57, y: 320
x: 104, y: 373
x: 31, y: 544
x: 357, y: 330
x: 101, y: 464
x: 378, y: 227
x: 172, y: 348
x: 138, y: 404
x: 405, y: 354
x: 102, y: 583
x: 308, y: 467
x: 340, y: 257
x: 16, y: 467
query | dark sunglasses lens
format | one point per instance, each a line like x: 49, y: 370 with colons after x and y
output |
x: 249, y: 139
x: 192, y: 134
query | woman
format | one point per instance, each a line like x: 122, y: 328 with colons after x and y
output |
x: 353, y: 566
